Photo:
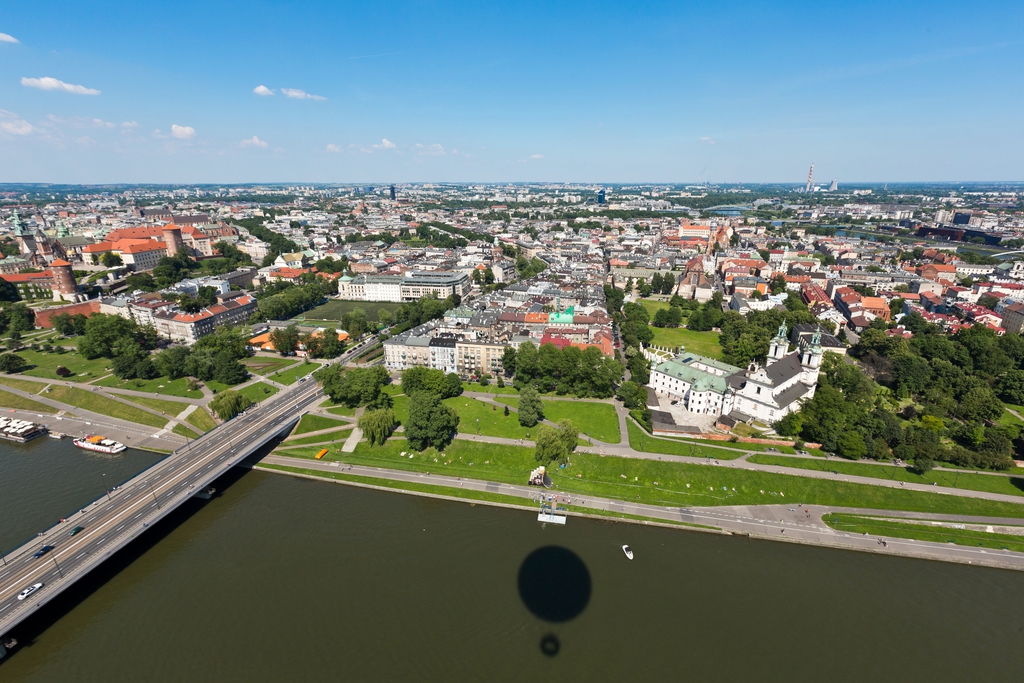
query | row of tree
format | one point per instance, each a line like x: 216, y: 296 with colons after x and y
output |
x: 580, y: 372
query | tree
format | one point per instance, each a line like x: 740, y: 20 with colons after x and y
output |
x: 1011, y: 387
x: 531, y: 408
x: 377, y: 425
x: 10, y: 363
x: 668, y: 283
x: 556, y: 443
x: 632, y: 395
x: 988, y: 301
x: 356, y: 386
x: 508, y: 361
x: 64, y: 324
x: 171, y: 363
x: 229, y: 403
x: 285, y: 339
x: 851, y: 445
x: 111, y: 260
x: 431, y: 422
x: 778, y: 284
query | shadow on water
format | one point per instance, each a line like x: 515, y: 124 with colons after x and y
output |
x: 27, y: 631
x: 554, y: 584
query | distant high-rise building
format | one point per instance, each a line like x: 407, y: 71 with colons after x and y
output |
x: 393, y: 196
x: 833, y: 186
x: 600, y: 196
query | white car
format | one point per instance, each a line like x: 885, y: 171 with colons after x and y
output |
x: 29, y: 591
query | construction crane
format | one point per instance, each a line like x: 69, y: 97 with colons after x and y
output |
x: 810, y: 178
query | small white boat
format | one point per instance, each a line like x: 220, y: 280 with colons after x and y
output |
x: 629, y: 551
x: 56, y: 435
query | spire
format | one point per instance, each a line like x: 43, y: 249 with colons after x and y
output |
x: 816, y: 338
x: 18, y: 229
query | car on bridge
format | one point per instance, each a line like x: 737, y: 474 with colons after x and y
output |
x: 42, y: 551
x: 29, y: 591
x: 76, y: 530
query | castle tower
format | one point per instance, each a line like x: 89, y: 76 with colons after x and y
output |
x: 779, y: 345
x: 172, y: 238
x: 64, y: 285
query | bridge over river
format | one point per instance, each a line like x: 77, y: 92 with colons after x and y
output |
x: 111, y: 522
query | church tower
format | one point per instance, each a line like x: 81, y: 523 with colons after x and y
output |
x: 779, y: 345
x: 810, y: 360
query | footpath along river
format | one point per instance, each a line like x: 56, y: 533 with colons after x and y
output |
x: 282, y: 579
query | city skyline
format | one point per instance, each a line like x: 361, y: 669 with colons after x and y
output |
x: 411, y: 92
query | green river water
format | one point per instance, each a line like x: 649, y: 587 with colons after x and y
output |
x: 281, y: 579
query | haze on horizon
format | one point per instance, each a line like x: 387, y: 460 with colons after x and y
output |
x: 231, y: 92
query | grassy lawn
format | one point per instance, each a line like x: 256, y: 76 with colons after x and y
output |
x: 335, y: 308
x: 1012, y: 486
x: 598, y: 420
x: 326, y: 437
x: 258, y: 391
x: 170, y: 408
x: 491, y: 388
x: 338, y: 409
x: 407, y: 486
x: 23, y: 384
x: 45, y: 365
x: 641, y: 441
x: 401, y: 407
x: 9, y: 400
x: 264, y: 365
x: 201, y: 419
x: 1008, y: 418
x: 701, y: 343
x: 653, y: 307
x: 678, y: 484
x: 492, y: 419
x: 98, y: 403
x: 314, y: 423
x: 160, y: 385
x: 469, y: 495
x: 182, y: 430
x: 923, y: 532
x: 290, y: 375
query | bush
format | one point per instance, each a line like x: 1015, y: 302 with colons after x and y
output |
x: 62, y: 371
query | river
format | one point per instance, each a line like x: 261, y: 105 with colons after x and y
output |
x: 282, y: 579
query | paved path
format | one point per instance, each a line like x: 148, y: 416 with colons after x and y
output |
x: 353, y: 440
x: 776, y: 522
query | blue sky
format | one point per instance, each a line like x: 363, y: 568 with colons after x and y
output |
x: 423, y: 91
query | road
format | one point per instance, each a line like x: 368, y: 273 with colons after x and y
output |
x: 113, y: 520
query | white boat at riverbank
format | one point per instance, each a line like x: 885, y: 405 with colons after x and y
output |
x: 100, y: 444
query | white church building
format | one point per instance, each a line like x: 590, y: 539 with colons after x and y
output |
x: 766, y: 393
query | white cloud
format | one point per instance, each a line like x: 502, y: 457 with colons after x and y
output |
x: 263, y: 91
x: 129, y: 124
x: 333, y: 148
x: 48, y: 83
x: 536, y: 156
x: 7, y: 38
x: 182, y: 132
x: 430, y: 150
x: 707, y: 140
x: 12, y: 124
x: 297, y: 94
x: 253, y: 142
x: 79, y: 122
x: 385, y: 144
